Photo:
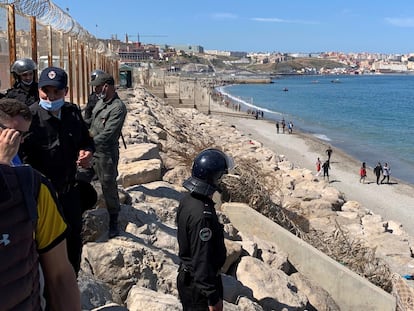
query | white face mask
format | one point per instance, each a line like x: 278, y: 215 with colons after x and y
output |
x: 27, y: 83
x: 102, y: 95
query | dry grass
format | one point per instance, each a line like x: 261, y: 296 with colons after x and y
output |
x: 249, y: 188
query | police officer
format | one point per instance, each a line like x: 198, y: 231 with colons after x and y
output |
x: 88, y: 174
x: 93, y: 97
x: 108, y: 117
x: 25, y: 87
x: 200, y: 235
x: 59, y: 142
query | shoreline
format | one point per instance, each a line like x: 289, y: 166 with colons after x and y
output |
x: 394, y: 201
x: 389, y: 149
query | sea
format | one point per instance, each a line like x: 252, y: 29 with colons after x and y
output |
x: 370, y: 117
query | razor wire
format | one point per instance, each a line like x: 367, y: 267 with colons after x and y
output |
x: 49, y: 14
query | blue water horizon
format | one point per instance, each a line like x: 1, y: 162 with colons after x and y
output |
x: 370, y: 117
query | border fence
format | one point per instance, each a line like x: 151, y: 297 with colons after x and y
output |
x: 42, y: 31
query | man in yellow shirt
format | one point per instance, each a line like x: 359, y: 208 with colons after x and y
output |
x: 26, y: 240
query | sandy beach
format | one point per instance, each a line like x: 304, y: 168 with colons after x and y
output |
x: 394, y: 201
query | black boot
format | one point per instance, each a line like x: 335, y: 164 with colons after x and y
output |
x: 113, y: 226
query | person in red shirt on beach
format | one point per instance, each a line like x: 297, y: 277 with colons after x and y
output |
x: 318, y: 166
x: 363, y: 173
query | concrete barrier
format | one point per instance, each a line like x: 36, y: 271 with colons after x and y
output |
x: 349, y: 290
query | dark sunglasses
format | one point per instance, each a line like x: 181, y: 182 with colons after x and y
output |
x: 23, y: 134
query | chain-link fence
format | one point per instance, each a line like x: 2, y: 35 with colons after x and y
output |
x: 40, y: 30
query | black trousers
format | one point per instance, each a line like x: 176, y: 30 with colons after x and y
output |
x: 190, y: 296
x: 71, y: 205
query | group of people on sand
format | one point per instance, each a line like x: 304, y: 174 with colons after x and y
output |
x: 282, y: 124
x: 378, y: 170
x: 325, y: 166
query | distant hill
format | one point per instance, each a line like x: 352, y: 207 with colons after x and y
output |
x: 295, y: 65
x: 223, y: 63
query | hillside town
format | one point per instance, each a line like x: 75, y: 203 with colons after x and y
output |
x: 134, y: 53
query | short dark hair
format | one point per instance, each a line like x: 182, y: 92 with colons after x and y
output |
x: 10, y: 107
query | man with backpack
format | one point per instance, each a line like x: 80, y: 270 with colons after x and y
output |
x: 32, y: 229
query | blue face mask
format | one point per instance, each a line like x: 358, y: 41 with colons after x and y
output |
x: 52, y: 105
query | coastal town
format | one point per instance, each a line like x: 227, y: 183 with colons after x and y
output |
x: 293, y: 239
x: 137, y: 54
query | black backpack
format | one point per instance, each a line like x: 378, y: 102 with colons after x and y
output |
x: 29, y: 180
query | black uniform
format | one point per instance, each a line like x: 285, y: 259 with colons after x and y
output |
x: 202, y: 253
x: 29, y: 96
x: 52, y: 147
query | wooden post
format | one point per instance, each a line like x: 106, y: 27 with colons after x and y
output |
x: 83, y: 74
x: 11, y: 25
x: 50, y: 56
x: 61, y: 51
x: 33, y: 32
x: 76, y: 54
x: 70, y: 68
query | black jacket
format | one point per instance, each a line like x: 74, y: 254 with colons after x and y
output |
x: 27, y: 97
x: 201, y: 242
x: 53, y: 144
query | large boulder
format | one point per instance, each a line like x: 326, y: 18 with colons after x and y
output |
x: 271, y: 287
x: 139, y: 172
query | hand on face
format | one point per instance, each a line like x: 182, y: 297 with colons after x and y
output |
x: 9, y: 144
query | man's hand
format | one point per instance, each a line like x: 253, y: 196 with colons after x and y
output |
x: 9, y: 145
x: 217, y: 307
x: 84, y: 159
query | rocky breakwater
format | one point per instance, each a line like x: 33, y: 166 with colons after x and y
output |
x: 137, y: 270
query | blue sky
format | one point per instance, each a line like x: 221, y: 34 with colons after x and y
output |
x: 261, y: 25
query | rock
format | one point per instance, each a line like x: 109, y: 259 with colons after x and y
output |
x: 94, y: 293
x: 234, y: 251
x: 140, y: 298
x: 139, y: 152
x: 270, y: 287
x: 140, y: 172
x: 234, y: 289
x: 318, y: 297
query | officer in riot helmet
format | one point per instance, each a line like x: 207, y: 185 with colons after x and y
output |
x: 96, y: 73
x: 92, y: 98
x: 200, y: 235
x: 25, y: 88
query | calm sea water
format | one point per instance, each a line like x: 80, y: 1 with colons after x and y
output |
x: 371, y: 117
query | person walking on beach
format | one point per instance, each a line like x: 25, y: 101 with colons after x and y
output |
x: 386, y: 173
x: 378, y: 172
x: 329, y: 153
x: 283, y: 125
x: 290, y: 127
x: 318, y: 166
x: 277, y: 127
x: 363, y: 173
x: 326, y: 168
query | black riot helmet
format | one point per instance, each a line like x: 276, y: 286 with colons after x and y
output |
x: 22, y: 66
x: 96, y: 73
x: 208, y: 168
